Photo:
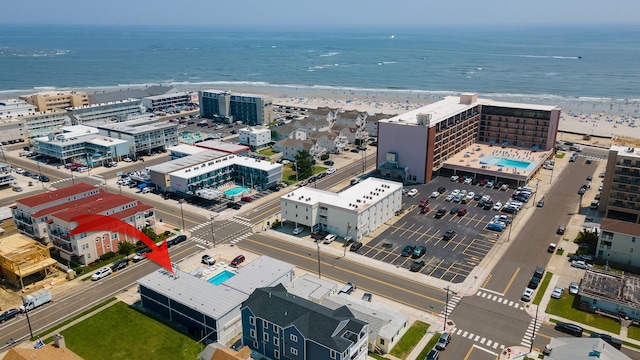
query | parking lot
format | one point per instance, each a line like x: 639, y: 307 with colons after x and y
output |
x: 450, y: 260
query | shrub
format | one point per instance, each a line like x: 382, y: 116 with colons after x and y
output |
x: 78, y: 270
x: 275, y: 224
x: 107, y: 256
x: 324, y: 157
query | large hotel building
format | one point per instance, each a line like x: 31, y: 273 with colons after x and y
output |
x: 414, y: 146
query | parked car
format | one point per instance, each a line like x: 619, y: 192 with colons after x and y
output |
x: 418, y: 252
x: 237, y: 260
x: 208, y: 260
x: 416, y: 265
x: 412, y: 192
x: 327, y: 162
x: 571, y: 329
x: 44, y: 178
x: 440, y: 213
x: 443, y: 341
x: 408, y: 250
x: 462, y: 212
x: 330, y: 171
x: 9, y: 314
x: 424, y: 210
x: 140, y: 254
x: 449, y: 235
x: 297, y: 231
x: 574, y: 288
x: 423, y: 202
x: 448, y: 198
x: 120, y: 264
x: 533, y: 283
x: 540, y: 203
x: 527, y: 295
x: 557, y: 292
x: 435, y: 194
x: 442, y: 189
x: 538, y: 272
x: 102, y: 273
x: 355, y: 246
x: 433, y: 355
x: 561, y: 230
x: 580, y: 264
x: 616, y: 343
x: 329, y: 238
x: 246, y: 199
x: 552, y: 248
x: 17, y: 189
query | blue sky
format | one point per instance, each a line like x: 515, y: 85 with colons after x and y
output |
x: 324, y: 13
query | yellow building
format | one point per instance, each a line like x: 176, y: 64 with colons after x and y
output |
x: 51, y: 100
x: 24, y: 261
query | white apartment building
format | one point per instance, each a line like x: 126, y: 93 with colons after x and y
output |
x: 164, y: 101
x: 20, y: 120
x: 357, y: 211
x: 256, y: 137
x: 619, y: 242
x: 106, y: 112
x: 6, y: 176
x: 144, y: 134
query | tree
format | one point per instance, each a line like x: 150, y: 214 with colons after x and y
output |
x: 304, y: 165
x: 150, y: 233
x: 125, y: 248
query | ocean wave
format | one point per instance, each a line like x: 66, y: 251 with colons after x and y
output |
x: 15, y: 52
x: 333, y: 53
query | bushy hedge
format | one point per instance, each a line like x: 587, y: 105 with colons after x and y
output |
x: 107, y: 256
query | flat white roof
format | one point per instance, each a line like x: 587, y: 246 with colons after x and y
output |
x: 103, y: 104
x: 222, y: 146
x: 356, y: 198
x: 203, y: 168
x: 186, y: 149
x: 139, y: 126
x: 627, y: 151
x: 187, y: 161
x: 167, y: 96
x: 451, y: 105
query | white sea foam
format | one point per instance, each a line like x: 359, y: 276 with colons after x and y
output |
x: 329, y: 54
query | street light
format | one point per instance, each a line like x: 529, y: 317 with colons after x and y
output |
x: 26, y: 311
x: 535, y: 325
x: 182, y: 213
x: 446, y: 310
x: 319, y: 274
x: 213, y: 229
x: 40, y: 175
x: 345, y: 239
x: 536, y: 193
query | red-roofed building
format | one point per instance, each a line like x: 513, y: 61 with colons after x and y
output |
x: 51, y: 218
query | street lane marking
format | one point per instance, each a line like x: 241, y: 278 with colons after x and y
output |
x: 485, y: 350
x: 511, y: 281
x: 359, y: 273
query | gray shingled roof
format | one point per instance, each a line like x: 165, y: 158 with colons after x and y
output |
x: 316, y: 322
x: 104, y: 96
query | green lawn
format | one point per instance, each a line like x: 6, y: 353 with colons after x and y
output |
x: 542, y: 288
x: 568, y: 307
x: 120, y: 332
x: 634, y: 332
x: 430, y: 345
x: 410, y: 339
x: 267, y: 152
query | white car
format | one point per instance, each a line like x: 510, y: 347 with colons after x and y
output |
x: 448, y: 198
x: 435, y: 194
x: 463, y: 193
x: 329, y: 238
x: 486, y: 198
x: 412, y: 192
x: 580, y: 264
x: 574, y: 288
x: 526, y: 295
x: 468, y: 181
x: 557, y: 292
x: 102, y: 273
x: 330, y: 171
x: 19, y: 171
x: 455, y: 192
x: 497, y: 206
x: 470, y: 195
x: 297, y: 230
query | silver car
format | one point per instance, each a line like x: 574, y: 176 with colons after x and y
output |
x: 580, y: 264
x: 574, y: 288
x: 557, y: 292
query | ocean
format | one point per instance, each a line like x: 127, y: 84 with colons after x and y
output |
x: 550, y: 64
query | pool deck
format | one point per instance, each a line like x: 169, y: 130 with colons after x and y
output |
x: 468, y: 160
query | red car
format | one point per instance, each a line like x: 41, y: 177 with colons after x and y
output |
x: 246, y: 198
x: 424, y: 210
x: 237, y: 260
x: 424, y: 202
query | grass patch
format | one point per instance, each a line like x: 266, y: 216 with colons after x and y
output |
x: 410, y: 339
x: 568, y: 307
x: 560, y: 155
x: 634, y: 332
x: 318, y: 169
x: 559, y: 251
x: 267, y: 152
x: 58, y: 326
x: 136, y: 337
x: 543, y: 288
x: 377, y: 357
x: 430, y: 345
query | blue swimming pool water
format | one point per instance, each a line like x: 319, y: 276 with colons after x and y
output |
x: 504, y: 162
x: 236, y: 191
x: 221, y: 277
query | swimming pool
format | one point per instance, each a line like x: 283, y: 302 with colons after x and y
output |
x: 221, y: 277
x: 506, y: 162
x: 236, y: 191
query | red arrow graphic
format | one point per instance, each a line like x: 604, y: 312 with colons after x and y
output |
x: 94, y: 222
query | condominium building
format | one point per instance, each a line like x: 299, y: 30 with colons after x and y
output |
x: 621, y: 185
x: 251, y: 109
x: 13, y: 107
x: 144, y: 135
x: 433, y: 133
x: 19, y: 120
x: 115, y: 111
x: 52, y: 100
x: 280, y: 325
x: 356, y: 211
x: 81, y: 144
x: 255, y: 137
x: 6, y: 175
x: 165, y: 101
x: 48, y: 217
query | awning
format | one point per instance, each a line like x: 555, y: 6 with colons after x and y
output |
x: 143, y: 185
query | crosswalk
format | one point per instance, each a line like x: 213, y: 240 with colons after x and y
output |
x: 232, y: 239
x: 235, y: 219
x: 208, y: 243
x: 497, y: 298
x: 478, y: 339
x: 532, y: 329
x: 453, y: 301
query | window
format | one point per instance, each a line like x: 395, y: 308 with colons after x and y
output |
x: 294, y: 351
x: 332, y: 353
x: 265, y: 324
x: 276, y: 354
x: 265, y: 337
x: 276, y: 341
x: 381, y: 341
x: 252, y: 320
x: 255, y: 344
x: 293, y: 338
x: 252, y: 333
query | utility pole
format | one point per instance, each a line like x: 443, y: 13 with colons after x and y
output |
x: 213, y: 229
x: 535, y: 324
x: 182, y: 214
x: 319, y: 275
x: 26, y: 311
x: 446, y: 310
x: 345, y: 239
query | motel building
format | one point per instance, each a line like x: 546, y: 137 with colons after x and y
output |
x: 356, y: 211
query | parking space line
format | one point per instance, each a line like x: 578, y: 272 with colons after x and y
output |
x: 461, y: 242
x: 417, y: 231
x: 436, y: 267
x: 389, y: 254
x: 408, y: 229
x: 398, y: 227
